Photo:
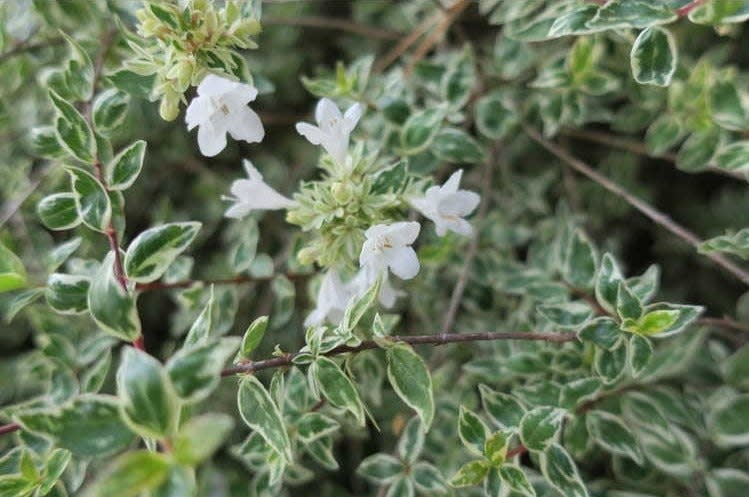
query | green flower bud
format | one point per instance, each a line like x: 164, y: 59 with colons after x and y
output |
x: 169, y: 107
x: 307, y: 255
x: 341, y: 192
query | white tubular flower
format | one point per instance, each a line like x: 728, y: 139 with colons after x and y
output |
x: 447, y: 206
x: 364, y: 280
x: 332, y: 299
x: 389, y: 246
x: 333, y: 129
x: 220, y: 108
x: 254, y: 194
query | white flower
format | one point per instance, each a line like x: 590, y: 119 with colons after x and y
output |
x: 254, y: 194
x: 221, y: 107
x: 389, y: 246
x: 447, y: 206
x: 333, y: 129
x: 332, y: 299
x: 366, y: 277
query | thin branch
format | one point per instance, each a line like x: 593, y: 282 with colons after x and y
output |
x: 25, y: 46
x: 438, y: 339
x: 238, y: 280
x: 486, y: 189
x: 9, y: 428
x: 450, y: 16
x: 402, y: 46
x: 649, y: 211
x: 638, y: 148
x: 340, y: 24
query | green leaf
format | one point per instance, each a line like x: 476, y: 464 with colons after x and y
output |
x: 607, y: 283
x: 503, y: 409
x: 428, y: 479
x: 58, y: 211
x: 639, y: 353
x: 728, y: 421
x: 19, y: 301
x: 420, y: 128
x: 122, y: 171
x: 411, y: 441
x: 91, y: 199
x: 495, y: 448
x: 515, y: 478
x: 610, y: 364
x: 560, y: 471
x: 566, y: 315
x: 72, y: 131
x: 610, y: 432
x: 261, y: 414
x: 132, y: 83
x: 698, y: 150
x: 540, y: 427
x: 470, y: 474
x: 179, y: 481
x: 56, y: 463
x: 89, y: 426
x: 602, y: 331
x: 628, y: 306
x: 380, y: 469
x: 337, y: 387
x: 410, y: 378
x: 313, y: 425
x: 736, y: 368
x: 67, y: 293
x: 61, y: 253
x: 79, y: 74
x: 112, y: 308
x: 734, y: 243
x: 152, y: 251
x: 654, y: 57
x: 728, y: 108
x: 201, y: 437
x: 392, y: 179
x: 494, y: 119
x: 200, y: 330
x: 733, y: 157
x: 149, y: 404
x: 109, y: 110
x: 402, y: 486
x: 653, y: 322
x: 252, y: 337
x: 12, y: 272
x: 16, y: 486
x: 727, y: 482
x: 618, y: 14
x: 93, y: 378
x: 577, y: 391
x: 457, y: 146
x: 131, y: 475
x: 580, y: 263
x: 195, y: 371
x: 664, y: 133
x: 472, y: 431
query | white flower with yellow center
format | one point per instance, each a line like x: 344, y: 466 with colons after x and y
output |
x: 254, y: 194
x: 446, y: 206
x: 389, y: 246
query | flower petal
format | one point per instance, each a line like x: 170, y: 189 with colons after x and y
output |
x: 460, y: 203
x: 244, y: 124
x: 327, y: 114
x: 310, y: 132
x: 403, y: 262
x: 199, y: 111
x: 453, y: 182
x: 211, y: 140
x: 214, y: 85
x: 404, y: 232
x: 352, y: 116
x: 237, y: 211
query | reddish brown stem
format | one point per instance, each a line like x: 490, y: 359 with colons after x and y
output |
x: 685, y: 10
x: 139, y: 343
x: 438, y: 339
x: 517, y: 451
x: 9, y: 428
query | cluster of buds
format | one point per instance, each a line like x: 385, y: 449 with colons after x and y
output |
x: 188, y: 42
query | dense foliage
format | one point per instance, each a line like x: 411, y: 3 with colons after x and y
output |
x: 427, y: 247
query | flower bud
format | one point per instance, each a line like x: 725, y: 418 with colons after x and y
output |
x: 341, y: 192
x: 169, y: 107
x: 307, y: 255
